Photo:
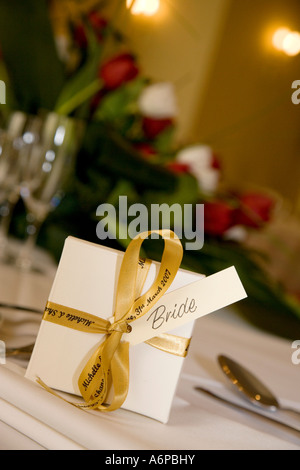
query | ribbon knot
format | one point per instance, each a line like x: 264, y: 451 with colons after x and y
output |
x: 121, y: 327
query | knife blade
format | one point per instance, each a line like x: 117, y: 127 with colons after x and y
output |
x: 244, y: 408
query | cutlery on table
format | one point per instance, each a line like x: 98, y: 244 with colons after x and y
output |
x: 24, y: 351
x: 245, y: 409
x: 250, y: 386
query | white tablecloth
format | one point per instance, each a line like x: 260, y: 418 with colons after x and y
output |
x: 31, y: 418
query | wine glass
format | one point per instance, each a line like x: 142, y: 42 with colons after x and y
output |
x: 20, y: 133
x: 46, y: 167
x: 9, y: 173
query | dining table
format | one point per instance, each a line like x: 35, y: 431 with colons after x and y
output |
x: 31, y: 418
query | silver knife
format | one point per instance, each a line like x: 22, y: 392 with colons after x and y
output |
x: 248, y: 410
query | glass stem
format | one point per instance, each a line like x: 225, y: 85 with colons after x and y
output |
x: 7, y: 211
x: 25, y: 258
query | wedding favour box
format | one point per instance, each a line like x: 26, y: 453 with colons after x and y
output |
x: 86, y: 280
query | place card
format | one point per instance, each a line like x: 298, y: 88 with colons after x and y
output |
x: 187, y: 304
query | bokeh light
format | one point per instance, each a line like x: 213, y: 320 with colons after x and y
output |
x: 143, y: 7
x: 287, y: 41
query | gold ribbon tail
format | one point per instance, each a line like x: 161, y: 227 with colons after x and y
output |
x: 171, y: 344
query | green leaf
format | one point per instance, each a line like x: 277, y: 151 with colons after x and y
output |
x: 120, y: 102
x: 165, y: 140
x: 108, y: 152
x: 67, y: 105
x: 185, y: 191
x: 82, y: 86
x: 28, y: 47
x: 122, y: 188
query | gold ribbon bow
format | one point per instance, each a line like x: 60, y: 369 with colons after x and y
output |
x: 109, y: 364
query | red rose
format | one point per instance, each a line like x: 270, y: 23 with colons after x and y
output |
x: 215, y: 163
x: 80, y: 36
x: 118, y: 70
x: 178, y: 168
x: 254, y: 210
x: 218, y: 217
x: 153, y: 127
x: 146, y: 150
x: 98, y: 23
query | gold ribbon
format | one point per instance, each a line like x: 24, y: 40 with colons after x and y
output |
x: 109, y: 364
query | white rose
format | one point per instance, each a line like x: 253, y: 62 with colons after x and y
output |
x: 199, y: 158
x: 158, y: 101
x: 208, y: 179
x: 238, y: 233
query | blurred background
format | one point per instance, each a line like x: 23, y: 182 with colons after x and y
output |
x: 182, y: 102
x: 232, y: 85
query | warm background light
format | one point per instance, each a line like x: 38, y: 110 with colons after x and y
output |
x: 278, y: 38
x: 143, y: 7
x: 235, y: 97
x: 286, y: 41
x: 291, y: 44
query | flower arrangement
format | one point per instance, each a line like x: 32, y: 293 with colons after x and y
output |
x: 83, y: 68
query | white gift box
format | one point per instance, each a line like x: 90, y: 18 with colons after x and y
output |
x: 86, y: 280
